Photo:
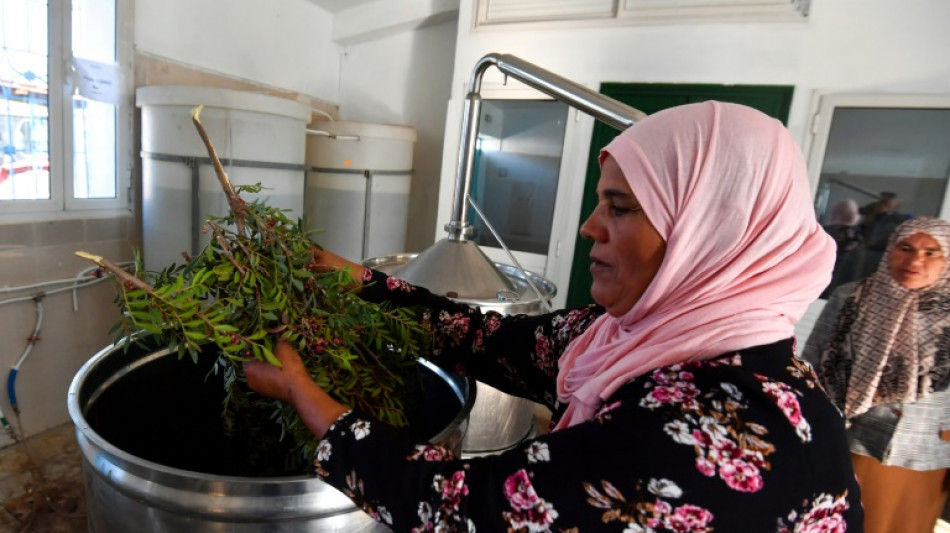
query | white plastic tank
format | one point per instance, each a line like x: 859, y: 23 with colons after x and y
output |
x: 357, y: 199
x: 259, y: 139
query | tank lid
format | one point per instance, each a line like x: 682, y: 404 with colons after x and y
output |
x: 364, y: 129
x: 457, y: 269
x: 213, y: 97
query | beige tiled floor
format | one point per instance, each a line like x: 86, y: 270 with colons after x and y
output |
x: 41, y: 484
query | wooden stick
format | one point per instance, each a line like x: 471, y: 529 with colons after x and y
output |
x: 119, y: 272
x: 237, y: 204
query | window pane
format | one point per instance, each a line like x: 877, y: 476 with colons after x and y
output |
x: 517, y: 163
x: 94, y: 123
x: 24, y: 117
x: 893, y: 163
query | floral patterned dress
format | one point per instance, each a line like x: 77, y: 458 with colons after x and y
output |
x: 746, y: 442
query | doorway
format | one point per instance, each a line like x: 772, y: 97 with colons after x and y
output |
x: 773, y: 100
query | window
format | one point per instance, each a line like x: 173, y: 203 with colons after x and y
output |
x: 65, y: 140
x: 517, y: 165
x: 889, y: 154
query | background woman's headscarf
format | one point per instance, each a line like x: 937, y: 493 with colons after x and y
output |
x: 844, y: 212
x: 891, y: 344
x: 726, y: 188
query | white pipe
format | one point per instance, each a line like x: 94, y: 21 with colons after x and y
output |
x: 75, y: 283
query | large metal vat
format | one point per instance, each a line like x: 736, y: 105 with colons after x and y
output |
x: 149, y: 431
x: 498, y: 421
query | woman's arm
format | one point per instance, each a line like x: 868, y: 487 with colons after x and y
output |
x: 291, y: 384
x: 515, y: 353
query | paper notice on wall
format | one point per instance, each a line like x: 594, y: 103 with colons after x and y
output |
x: 98, y: 81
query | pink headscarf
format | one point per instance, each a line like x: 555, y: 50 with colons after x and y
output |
x: 726, y: 188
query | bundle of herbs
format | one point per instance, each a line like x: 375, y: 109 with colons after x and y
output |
x: 257, y: 281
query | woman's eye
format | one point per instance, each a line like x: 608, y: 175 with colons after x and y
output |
x: 617, y: 210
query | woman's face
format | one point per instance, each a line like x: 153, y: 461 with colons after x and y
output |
x: 917, y: 261
x: 627, y: 250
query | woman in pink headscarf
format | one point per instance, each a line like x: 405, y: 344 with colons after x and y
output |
x: 678, y: 404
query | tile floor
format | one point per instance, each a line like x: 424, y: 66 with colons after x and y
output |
x: 41, y: 484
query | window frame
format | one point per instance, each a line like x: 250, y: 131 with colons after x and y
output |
x: 61, y: 88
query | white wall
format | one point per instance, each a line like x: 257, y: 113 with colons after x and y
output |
x: 845, y: 46
x: 286, y: 44
x: 404, y: 79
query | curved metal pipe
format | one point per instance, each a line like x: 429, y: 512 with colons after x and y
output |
x: 603, y: 108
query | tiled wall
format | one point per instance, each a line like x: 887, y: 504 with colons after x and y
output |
x: 37, y: 252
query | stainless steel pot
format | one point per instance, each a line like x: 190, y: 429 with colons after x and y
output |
x: 498, y: 421
x: 149, y: 431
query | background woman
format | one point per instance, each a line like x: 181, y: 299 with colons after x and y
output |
x: 882, y: 349
x: 843, y: 227
x: 678, y: 404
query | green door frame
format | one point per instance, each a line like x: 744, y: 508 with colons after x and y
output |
x: 773, y: 100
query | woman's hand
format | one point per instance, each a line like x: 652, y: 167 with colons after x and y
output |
x: 292, y: 384
x: 278, y: 382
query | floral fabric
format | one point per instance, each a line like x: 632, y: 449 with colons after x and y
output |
x: 742, y: 442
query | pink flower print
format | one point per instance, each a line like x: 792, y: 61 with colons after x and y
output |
x: 658, y: 397
x: 661, y: 510
x: 790, y: 407
x: 452, y: 489
x: 734, y: 360
x: 529, y: 511
x: 705, y: 466
x: 542, y: 345
x: 519, y: 491
x: 826, y: 515
x: 740, y: 475
x: 367, y: 275
x: 724, y: 450
x: 568, y: 325
x: 396, y: 284
x: 492, y: 323
x: 787, y: 401
x: 455, y: 325
x: 661, y: 377
x: 428, y: 452
x: 538, y: 519
x: 690, y: 518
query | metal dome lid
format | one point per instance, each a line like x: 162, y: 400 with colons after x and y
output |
x: 457, y: 269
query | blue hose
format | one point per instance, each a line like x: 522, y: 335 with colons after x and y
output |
x: 11, y: 388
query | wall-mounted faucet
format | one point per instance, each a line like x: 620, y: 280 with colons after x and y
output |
x: 456, y: 266
x: 608, y: 110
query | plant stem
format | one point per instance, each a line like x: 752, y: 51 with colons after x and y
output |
x: 120, y: 272
x: 237, y: 204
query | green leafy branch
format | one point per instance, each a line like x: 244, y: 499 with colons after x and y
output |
x: 256, y: 282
